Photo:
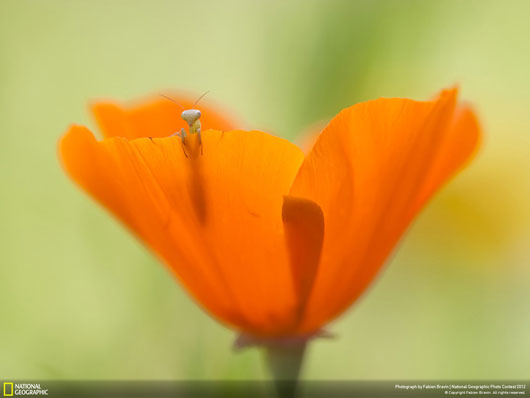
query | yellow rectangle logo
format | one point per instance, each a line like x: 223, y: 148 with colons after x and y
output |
x: 8, y: 392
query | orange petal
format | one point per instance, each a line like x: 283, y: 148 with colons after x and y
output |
x: 304, y: 228
x: 157, y: 117
x: 459, y: 143
x: 215, y: 219
x: 370, y: 171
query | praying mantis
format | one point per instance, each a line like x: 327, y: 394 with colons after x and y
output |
x: 192, y: 117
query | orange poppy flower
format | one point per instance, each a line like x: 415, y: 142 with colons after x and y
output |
x: 271, y: 242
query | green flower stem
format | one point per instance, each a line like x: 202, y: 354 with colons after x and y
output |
x: 284, y: 361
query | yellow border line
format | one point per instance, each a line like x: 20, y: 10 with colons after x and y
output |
x: 6, y: 394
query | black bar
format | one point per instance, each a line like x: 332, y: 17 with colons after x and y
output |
x: 264, y: 389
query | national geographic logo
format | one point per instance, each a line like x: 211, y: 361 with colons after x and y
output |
x: 8, y: 389
x: 23, y: 389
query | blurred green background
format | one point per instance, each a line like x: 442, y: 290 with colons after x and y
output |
x: 81, y: 298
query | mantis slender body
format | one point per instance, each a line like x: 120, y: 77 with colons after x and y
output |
x: 192, y: 117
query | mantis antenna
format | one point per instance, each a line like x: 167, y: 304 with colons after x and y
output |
x: 172, y: 100
x: 200, y: 98
x: 181, y: 107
